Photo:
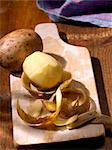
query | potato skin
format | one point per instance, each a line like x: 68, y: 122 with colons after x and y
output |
x: 16, y: 46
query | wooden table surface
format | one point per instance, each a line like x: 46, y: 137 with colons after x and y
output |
x: 97, y: 40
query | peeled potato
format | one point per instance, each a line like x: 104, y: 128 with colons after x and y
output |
x: 43, y: 70
x: 16, y: 46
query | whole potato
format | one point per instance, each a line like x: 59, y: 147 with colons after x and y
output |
x: 16, y: 46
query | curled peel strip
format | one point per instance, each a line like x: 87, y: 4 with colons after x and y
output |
x: 36, y: 93
x: 57, y: 99
x: 41, y: 121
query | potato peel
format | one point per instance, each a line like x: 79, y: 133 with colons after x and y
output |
x: 41, y: 121
x: 103, y: 119
x: 35, y: 108
x: 27, y: 118
x: 68, y: 109
x: 64, y: 122
x: 24, y: 116
x: 82, y: 119
x: 36, y: 93
x: 50, y: 106
x: 66, y: 75
x: 82, y: 108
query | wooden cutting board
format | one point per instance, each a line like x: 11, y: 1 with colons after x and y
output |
x: 77, y: 61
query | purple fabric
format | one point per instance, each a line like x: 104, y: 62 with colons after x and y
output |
x: 98, y: 12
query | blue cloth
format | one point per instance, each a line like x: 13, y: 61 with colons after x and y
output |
x: 98, y: 12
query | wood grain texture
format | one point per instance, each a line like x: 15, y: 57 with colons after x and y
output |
x: 16, y: 14
x: 97, y: 40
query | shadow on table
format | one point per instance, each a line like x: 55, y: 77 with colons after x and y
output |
x: 85, y: 144
x: 76, y: 23
x: 101, y: 92
x: 100, y: 86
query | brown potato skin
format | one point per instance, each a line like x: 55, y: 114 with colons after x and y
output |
x: 16, y: 46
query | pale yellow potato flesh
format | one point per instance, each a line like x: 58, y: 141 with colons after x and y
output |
x: 43, y: 70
